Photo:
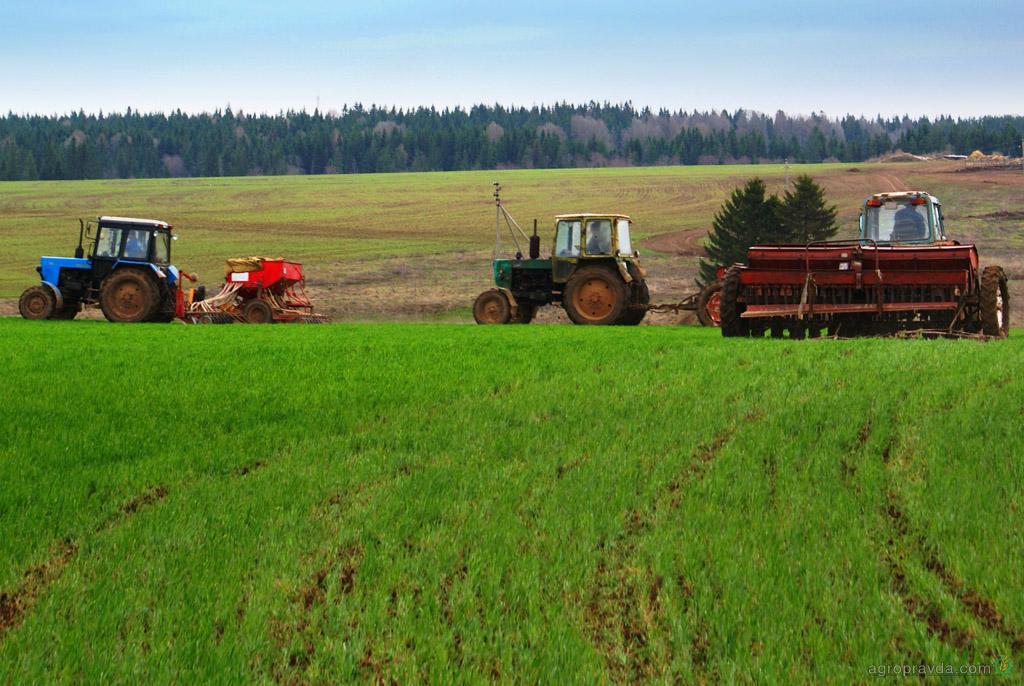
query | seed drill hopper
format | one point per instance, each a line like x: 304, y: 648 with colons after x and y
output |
x: 256, y: 290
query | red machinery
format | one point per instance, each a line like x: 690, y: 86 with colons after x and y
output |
x: 902, y: 274
x: 258, y: 291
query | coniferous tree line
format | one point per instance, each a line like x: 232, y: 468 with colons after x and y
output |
x: 752, y: 217
x: 376, y: 139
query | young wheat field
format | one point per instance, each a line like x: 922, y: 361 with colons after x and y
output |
x: 439, y: 503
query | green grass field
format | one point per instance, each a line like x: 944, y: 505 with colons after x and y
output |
x: 457, y: 504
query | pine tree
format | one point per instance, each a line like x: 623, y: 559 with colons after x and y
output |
x: 747, y: 218
x: 804, y: 216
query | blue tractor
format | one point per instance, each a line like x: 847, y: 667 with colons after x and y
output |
x: 127, y: 271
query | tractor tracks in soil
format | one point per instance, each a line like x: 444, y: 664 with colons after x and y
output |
x: 623, y: 615
x: 333, y: 579
x: 904, y: 546
x: 18, y: 602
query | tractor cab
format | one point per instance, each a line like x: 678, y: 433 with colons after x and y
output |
x: 583, y: 238
x: 906, y: 217
x: 138, y: 240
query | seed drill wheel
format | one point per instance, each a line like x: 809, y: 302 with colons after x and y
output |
x: 595, y: 295
x: 37, y: 302
x: 257, y: 312
x: 995, y: 303
x: 129, y: 295
x: 492, y: 307
x: 709, y: 304
x: 729, y: 308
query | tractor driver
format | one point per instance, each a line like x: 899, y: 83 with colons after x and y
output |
x: 599, y: 237
x: 136, y: 246
x: 908, y: 224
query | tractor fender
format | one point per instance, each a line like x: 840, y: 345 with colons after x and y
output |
x: 58, y: 297
x: 511, y: 300
x: 624, y: 271
x: 157, y: 271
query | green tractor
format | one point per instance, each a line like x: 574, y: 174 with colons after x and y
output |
x: 593, y: 272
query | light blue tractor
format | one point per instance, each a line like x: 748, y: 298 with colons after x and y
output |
x: 127, y: 271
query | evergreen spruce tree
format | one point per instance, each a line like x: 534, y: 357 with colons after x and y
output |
x: 747, y: 218
x: 804, y: 215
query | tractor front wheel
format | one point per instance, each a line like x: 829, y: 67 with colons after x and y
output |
x: 995, y: 303
x: 492, y: 307
x: 257, y: 312
x: 69, y: 311
x: 595, y: 295
x: 37, y: 302
x: 524, y: 313
x: 129, y: 295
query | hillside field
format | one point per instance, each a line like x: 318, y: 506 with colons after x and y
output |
x: 435, y: 503
x: 418, y: 246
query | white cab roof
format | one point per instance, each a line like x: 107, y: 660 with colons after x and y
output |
x: 131, y: 220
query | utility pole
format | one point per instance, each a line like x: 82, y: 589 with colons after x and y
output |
x: 787, y: 175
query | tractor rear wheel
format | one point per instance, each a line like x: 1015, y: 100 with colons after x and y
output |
x: 257, y: 311
x: 995, y: 303
x: 595, y: 295
x: 129, y: 295
x: 709, y: 304
x: 37, y: 302
x: 634, y: 314
x: 492, y: 307
x: 729, y: 308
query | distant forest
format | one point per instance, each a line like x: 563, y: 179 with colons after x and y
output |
x: 375, y: 139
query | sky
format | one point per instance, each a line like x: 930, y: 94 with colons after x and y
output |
x: 891, y: 58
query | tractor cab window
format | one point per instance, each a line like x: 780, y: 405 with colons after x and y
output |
x: 622, y: 231
x: 897, y: 220
x: 567, y: 238
x: 599, y: 237
x: 137, y: 245
x: 940, y: 230
x: 162, y: 247
x: 108, y: 242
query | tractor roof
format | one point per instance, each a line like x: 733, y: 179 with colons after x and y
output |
x: 129, y: 220
x: 905, y: 195
x: 589, y: 215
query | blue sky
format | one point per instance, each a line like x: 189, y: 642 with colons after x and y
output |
x: 961, y: 58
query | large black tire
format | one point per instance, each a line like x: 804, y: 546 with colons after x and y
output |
x: 37, y: 302
x: 995, y: 303
x: 730, y: 309
x: 129, y: 295
x: 524, y: 313
x: 703, y: 313
x: 632, y: 316
x: 492, y: 307
x: 257, y: 311
x: 595, y: 296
